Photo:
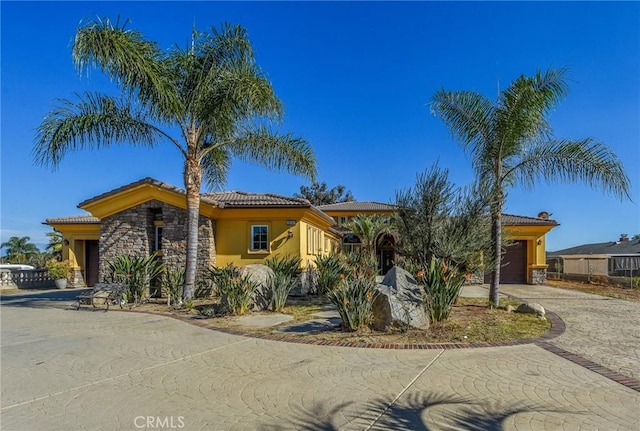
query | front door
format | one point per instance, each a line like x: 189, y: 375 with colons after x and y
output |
x: 92, y: 261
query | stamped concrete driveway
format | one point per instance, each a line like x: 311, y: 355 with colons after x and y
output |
x: 83, y: 370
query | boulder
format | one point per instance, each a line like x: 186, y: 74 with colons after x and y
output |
x: 399, y: 302
x: 531, y: 308
x: 259, y: 274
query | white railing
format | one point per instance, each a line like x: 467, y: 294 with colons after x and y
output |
x: 25, y: 279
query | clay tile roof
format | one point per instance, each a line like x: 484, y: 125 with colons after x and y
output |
x: 148, y: 180
x: 243, y: 200
x: 516, y: 220
x: 80, y: 219
x: 357, y: 206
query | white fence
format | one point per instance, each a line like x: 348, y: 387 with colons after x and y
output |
x: 25, y: 279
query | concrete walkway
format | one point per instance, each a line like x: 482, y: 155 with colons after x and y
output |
x: 83, y: 370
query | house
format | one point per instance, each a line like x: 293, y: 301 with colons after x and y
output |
x: 619, y: 258
x: 149, y: 216
x: 343, y: 211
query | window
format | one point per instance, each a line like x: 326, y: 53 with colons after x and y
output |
x: 157, y: 245
x: 259, y: 238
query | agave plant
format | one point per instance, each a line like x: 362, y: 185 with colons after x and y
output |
x: 135, y: 274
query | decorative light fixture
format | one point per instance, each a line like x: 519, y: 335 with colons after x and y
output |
x: 289, y: 233
x: 291, y: 222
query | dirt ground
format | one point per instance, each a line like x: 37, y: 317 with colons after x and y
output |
x: 598, y: 289
x: 471, y: 320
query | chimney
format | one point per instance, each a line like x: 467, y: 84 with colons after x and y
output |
x: 624, y: 237
x: 543, y: 215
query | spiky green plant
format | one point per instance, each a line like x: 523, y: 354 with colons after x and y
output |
x: 329, y: 268
x: 172, y: 284
x: 135, y: 274
x: 221, y: 277
x: 285, y: 272
x: 238, y: 293
x: 353, y: 296
x: 442, y: 284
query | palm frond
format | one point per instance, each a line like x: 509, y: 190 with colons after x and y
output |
x: 274, y: 151
x: 583, y: 161
x: 125, y: 56
x: 522, y: 110
x: 94, y: 121
x: 216, y: 164
x: 469, y: 117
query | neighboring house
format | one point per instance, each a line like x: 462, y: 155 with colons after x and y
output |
x: 614, y: 259
x: 149, y: 216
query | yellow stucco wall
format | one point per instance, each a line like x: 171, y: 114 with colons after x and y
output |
x: 535, y: 236
x: 73, y: 241
x: 233, y: 234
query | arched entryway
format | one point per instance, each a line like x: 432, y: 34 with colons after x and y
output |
x: 386, y: 253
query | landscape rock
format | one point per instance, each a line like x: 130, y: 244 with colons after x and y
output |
x: 259, y: 274
x: 399, y: 302
x: 531, y: 308
x: 510, y: 308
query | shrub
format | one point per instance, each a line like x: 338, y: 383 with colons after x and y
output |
x: 172, y: 285
x: 355, y: 293
x: 329, y: 270
x: 285, y: 271
x: 58, y: 269
x: 353, y: 297
x: 221, y: 277
x: 238, y: 293
x: 135, y: 274
x: 442, y: 284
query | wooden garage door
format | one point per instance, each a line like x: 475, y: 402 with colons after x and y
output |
x: 514, y: 264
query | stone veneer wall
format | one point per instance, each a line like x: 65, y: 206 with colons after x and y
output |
x: 131, y: 232
x: 538, y: 276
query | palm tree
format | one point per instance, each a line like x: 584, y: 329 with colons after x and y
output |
x: 369, y: 229
x: 19, y: 249
x: 55, y: 244
x: 210, y: 101
x: 510, y: 142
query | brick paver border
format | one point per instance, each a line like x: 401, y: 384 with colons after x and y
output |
x: 557, y: 329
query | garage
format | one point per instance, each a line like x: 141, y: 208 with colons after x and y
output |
x: 514, y: 264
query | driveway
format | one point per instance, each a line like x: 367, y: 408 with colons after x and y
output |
x: 81, y: 370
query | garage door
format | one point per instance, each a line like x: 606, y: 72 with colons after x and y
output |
x: 514, y: 264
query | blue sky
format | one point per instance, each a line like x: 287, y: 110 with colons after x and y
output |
x: 356, y: 79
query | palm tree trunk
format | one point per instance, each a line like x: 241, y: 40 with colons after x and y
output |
x: 496, y: 239
x: 192, y: 182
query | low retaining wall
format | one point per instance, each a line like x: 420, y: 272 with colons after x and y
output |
x: 26, y: 279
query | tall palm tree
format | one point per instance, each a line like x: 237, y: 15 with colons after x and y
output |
x: 511, y: 142
x: 210, y: 101
x: 19, y: 249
